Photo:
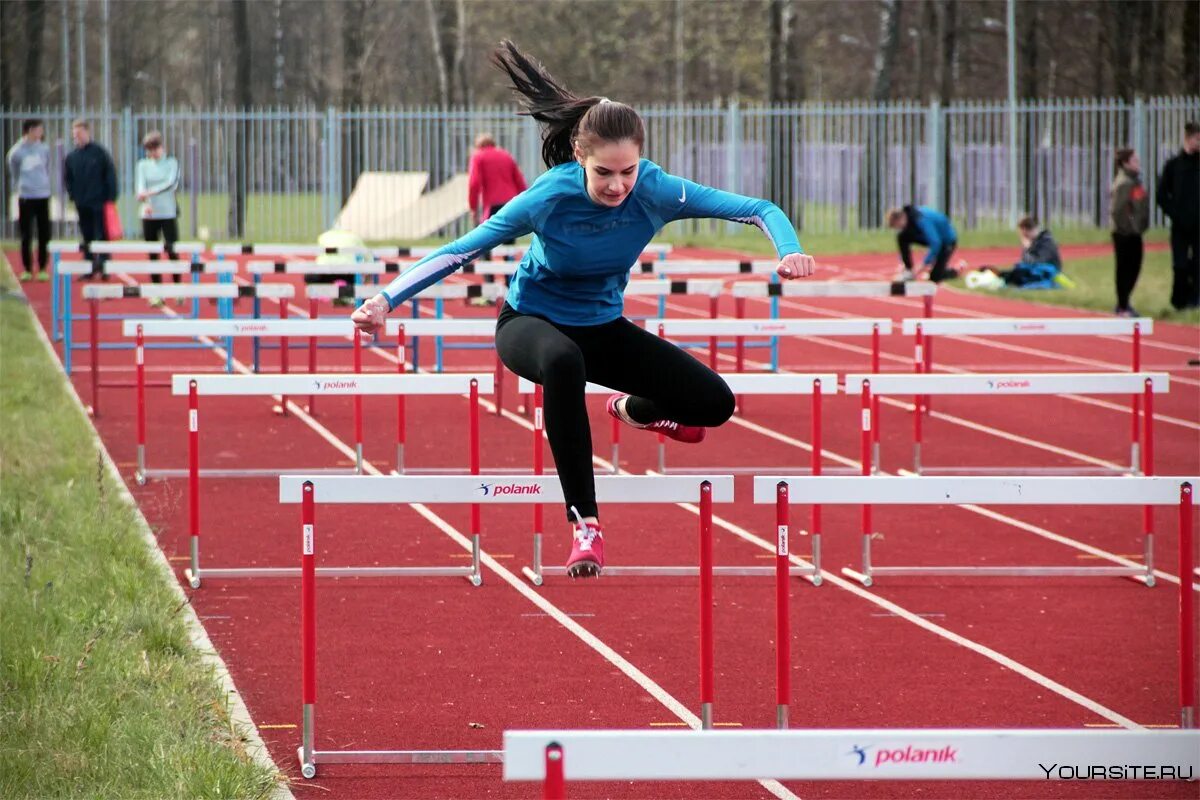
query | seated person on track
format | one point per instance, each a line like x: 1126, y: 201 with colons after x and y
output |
x: 928, y: 227
x: 592, y: 214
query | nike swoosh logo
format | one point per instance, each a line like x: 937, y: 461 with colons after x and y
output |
x: 683, y: 193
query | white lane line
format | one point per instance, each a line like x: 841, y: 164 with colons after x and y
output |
x: 614, y: 658
x: 678, y: 709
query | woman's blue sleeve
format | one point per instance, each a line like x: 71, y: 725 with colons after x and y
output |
x: 684, y: 199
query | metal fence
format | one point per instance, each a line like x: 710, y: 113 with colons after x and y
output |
x: 285, y: 174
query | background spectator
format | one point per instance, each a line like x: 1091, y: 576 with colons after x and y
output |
x: 493, y: 178
x: 29, y: 166
x: 1130, y: 214
x: 928, y: 227
x: 91, y: 181
x: 1179, y: 198
x: 157, y: 179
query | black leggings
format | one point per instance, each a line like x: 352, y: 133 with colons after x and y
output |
x: 31, y: 213
x: 664, y: 382
x: 1127, y: 248
x: 169, y: 228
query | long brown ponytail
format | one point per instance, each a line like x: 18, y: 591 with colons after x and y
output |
x: 566, y: 118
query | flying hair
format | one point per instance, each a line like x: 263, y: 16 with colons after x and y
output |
x: 567, y: 120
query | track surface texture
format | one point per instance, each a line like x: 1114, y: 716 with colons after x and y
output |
x: 439, y: 664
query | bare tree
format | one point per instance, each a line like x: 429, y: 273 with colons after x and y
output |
x: 243, y: 99
x: 875, y: 159
x: 1028, y: 25
x: 885, y: 53
x: 1191, y: 51
x: 948, y: 39
x: 35, y: 24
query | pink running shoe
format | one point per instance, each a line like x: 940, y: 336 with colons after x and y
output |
x: 587, y: 551
x: 689, y: 434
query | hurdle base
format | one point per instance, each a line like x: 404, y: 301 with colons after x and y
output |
x: 309, y: 768
x: 1025, y: 471
x: 219, y: 472
x: 195, y: 577
x: 866, y: 578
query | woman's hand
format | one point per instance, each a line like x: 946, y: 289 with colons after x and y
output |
x: 796, y: 265
x: 370, y: 316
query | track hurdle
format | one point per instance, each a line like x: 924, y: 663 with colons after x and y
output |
x: 489, y: 490
x: 353, y: 384
x: 60, y: 285
x: 804, y: 384
x: 148, y: 291
x: 1016, y: 490
x: 229, y: 330
x: 867, y: 754
x: 743, y: 290
x: 923, y: 331
x: 1143, y: 384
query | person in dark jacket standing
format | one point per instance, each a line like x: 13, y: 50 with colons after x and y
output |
x: 1130, y: 214
x: 91, y: 181
x: 928, y: 227
x: 1179, y: 198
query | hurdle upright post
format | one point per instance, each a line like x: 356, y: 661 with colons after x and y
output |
x: 865, y: 455
x: 713, y: 345
x: 1187, y: 619
x: 783, y: 636
x: 358, y: 406
x: 94, y: 328
x: 875, y: 370
x: 194, y: 483
x: 1148, y: 471
x: 473, y: 445
x: 817, y: 449
x: 555, y: 785
x: 706, y: 607
x: 538, y: 453
x: 314, y: 311
x: 739, y: 306
x: 308, y: 631
x: 401, y: 433
x: 283, y: 352
x: 499, y: 370
x: 662, y: 440
x: 139, y: 359
x: 1135, y: 400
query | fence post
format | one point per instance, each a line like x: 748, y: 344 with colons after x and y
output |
x: 128, y: 197
x: 933, y: 134
x: 733, y: 147
x: 333, y: 175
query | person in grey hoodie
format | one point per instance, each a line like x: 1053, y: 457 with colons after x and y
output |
x: 29, y: 164
x: 91, y: 180
x: 1130, y: 213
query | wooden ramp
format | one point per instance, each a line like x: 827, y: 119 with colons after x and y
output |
x: 377, y: 198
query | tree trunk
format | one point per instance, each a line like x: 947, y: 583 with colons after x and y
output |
x: 1191, y: 53
x: 238, y: 167
x: 1028, y: 25
x: 874, y: 167
x: 780, y: 129
x: 1123, y: 36
x: 925, y: 48
x: 948, y: 36
x: 7, y: 89
x: 35, y: 24
x: 885, y: 52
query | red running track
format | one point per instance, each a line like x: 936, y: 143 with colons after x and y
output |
x: 439, y: 664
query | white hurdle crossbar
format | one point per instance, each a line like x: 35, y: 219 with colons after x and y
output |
x: 229, y: 330
x: 924, y: 330
x: 816, y: 385
x: 1139, y: 384
x: 489, y: 490
x: 868, y: 491
x: 353, y: 384
x: 1035, y: 754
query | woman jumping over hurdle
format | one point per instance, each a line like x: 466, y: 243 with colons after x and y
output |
x: 592, y: 213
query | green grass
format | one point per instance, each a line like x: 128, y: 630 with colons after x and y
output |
x: 1095, y: 288
x: 101, y: 693
x: 873, y: 241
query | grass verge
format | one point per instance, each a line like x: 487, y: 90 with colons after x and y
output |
x: 1095, y: 288
x: 101, y: 692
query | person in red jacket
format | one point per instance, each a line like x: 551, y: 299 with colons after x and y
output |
x: 493, y: 179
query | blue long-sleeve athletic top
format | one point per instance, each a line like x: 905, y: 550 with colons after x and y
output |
x: 926, y: 226
x: 576, y: 268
